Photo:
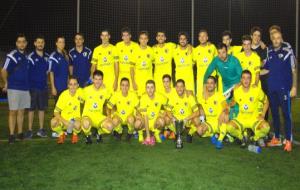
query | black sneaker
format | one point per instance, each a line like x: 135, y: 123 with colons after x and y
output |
x: 117, y: 136
x: 99, y: 138
x: 189, y: 138
x: 244, y: 142
x: 128, y: 137
x: 42, y: 133
x: 88, y: 140
x: 28, y: 135
x: 11, y: 139
x: 21, y: 136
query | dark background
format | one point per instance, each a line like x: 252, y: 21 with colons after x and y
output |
x: 54, y: 17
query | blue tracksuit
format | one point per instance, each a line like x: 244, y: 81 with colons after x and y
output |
x: 280, y: 64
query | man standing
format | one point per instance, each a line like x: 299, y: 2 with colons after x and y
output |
x: 15, y: 74
x: 38, y: 77
x: 282, y: 86
x: 80, y: 57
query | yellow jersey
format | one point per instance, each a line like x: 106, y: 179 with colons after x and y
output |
x: 125, y: 56
x: 69, y: 106
x: 182, y: 107
x: 152, y: 107
x: 234, y: 50
x: 213, y: 106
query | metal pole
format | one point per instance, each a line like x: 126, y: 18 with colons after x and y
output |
x: 139, y: 16
x: 192, y: 21
x: 78, y: 16
x: 297, y: 28
x: 229, y: 16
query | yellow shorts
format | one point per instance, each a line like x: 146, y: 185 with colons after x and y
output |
x: 250, y: 123
x: 213, y: 127
x: 96, y: 119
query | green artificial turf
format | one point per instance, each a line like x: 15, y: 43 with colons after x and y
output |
x: 42, y: 164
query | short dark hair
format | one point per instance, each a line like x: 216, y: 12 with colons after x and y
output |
x: 150, y: 82
x: 212, y: 78
x: 161, y: 31
x: 254, y: 29
x: 105, y: 30
x: 246, y: 38
x: 180, y: 81
x: 73, y: 78
x: 227, y: 33
x: 124, y: 79
x: 98, y: 73
x: 39, y: 36
x: 79, y: 34
x: 203, y: 30
x: 144, y: 32
x: 246, y: 72
x: 58, y: 37
x: 221, y: 46
x: 183, y: 34
x: 126, y: 29
x: 167, y: 76
x: 20, y: 35
x: 275, y: 27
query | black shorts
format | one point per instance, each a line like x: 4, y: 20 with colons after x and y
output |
x: 39, y: 100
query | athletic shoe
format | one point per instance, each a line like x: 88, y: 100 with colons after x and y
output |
x: 152, y: 141
x: 189, y: 138
x: 61, y: 139
x: 74, y: 139
x: 117, y: 136
x: 54, y: 135
x: 274, y: 142
x: 11, y: 139
x: 219, y: 145
x: 88, y: 139
x: 213, y: 140
x: 128, y: 137
x: 42, y: 133
x: 99, y: 138
x: 261, y: 142
x: 172, y: 135
x: 21, y: 136
x: 288, y: 146
x: 166, y: 133
x: 147, y: 141
x: 28, y: 134
x: 244, y: 142
x: 230, y: 138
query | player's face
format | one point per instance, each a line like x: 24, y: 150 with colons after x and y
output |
x: 210, y: 85
x: 203, y: 37
x: 150, y: 89
x: 60, y: 44
x: 161, y: 37
x: 256, y: 37
x: 21, y: 43
x: 183, y: 41
x: 276, y: 39
x: 222, y: 54
x: 126, y: 37
x: 105, y: 37
x: 246, y: 80
x: 124, y: 86
x: 272, y: 32
x: 39, y: 44
x: 78, y: 40
x: 180, y: 88
x: 247, y: 45
x: 97, y: 81
x: 73, y: 85
x: 226, y: 40
x: 143, y: 39
x: 167, y: 83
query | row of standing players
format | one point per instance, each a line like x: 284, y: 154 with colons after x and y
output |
x: 135, y: 62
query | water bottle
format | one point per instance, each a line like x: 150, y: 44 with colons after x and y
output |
x: 255, y: 149
x: 70, y: 127
x: 135, y: 134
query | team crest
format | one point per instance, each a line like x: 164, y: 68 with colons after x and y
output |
x: 104, y: 59
x: 161, y: 59
x: 84, y: 54
x: 46, y: 58
x: 75, y: 107
x: 128, y: 102
x: 215, y: 102
x: 251, y: 99
x: 36, y: 60
x: 148, y: 55
x: 121, y: 50
x: 185, y: 103
x: 139, y: 57
x: 101, y: 97
x: 152, y: 114
x: 156, y: 104
x: 246, y: 107
x: 144, y: 63
x: 95, y: 105
x: 250, y: 63
x: 109, y: 52
x: 131, y: 50
x: 123, y: 112
x: 210, y: 110
x: 19, y: 58
x: 181, y: 60
x: 126, y: 58
x: 280, y: 55
x: 209, y: 51
x: 186, y: 53
x: 181, y: 111
x: 166, y: 50
x: 205, y: 60
x: 156, y: 52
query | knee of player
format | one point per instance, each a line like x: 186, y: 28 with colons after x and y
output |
x: 109, y: 125
x: 196, y: 121
x: 54, y: 122
x: 160, y: 122
x: 115, y: 121
x: 130, y: 120
x: 77, y: 124
x: 85, y: 123
x: 138, y: 124
x: 167, y: 120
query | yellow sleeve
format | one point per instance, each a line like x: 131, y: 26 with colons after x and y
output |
x: 112, y: 101
x: 261, y: 95
x: 257, y: 64
x: 142, y: 107
x: 215, y: 51
x: 60, y: 104
x: 115, y: 53
x: 94, y: 60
